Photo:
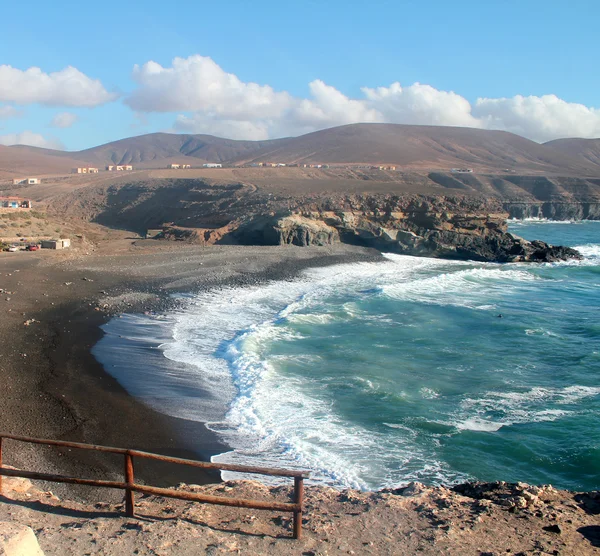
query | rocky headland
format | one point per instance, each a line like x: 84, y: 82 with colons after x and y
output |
x: 441, y: 227
x: 439, y: 215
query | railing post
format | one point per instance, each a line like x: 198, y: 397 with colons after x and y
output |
x: 298, y: 500
x: 1, y: 464
x: 129, y: 508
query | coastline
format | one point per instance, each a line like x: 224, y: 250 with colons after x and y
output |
x: 55, y: 388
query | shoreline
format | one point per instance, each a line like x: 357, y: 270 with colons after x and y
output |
x: 56, y: 387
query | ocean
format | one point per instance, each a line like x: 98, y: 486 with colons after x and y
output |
x: 373, y: 375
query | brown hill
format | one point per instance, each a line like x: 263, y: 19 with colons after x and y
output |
x: 22, y: 161
x: 156, y: 148
x: 421, y: 148
x: 584, y: 149
x: 427, y: 147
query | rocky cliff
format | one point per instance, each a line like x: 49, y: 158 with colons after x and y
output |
x: 461, y: 216
x: 444, y: 227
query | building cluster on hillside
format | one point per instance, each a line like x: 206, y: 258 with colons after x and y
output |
x: 26, y: 181
x: 368, y: 167
x: 179, y: 166
x: 14, y: 203
x: 461, y: 170
x: 119, y: 168
x: 85, y: 170
x: 319, y: 166
x: 212, y: 165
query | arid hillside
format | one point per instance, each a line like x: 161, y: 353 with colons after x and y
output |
x: 423, y: 147
x: 155, y: 149
x: 587, y: 150
x: 21, y: 161
x: 407, y: 147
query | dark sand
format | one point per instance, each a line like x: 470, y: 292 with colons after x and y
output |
x: 52, y: 387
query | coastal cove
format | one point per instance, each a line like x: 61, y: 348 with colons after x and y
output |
x: 374, y: 374
x: 53, y: 386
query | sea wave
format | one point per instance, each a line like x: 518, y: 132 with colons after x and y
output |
x: 539, y: 404
x: 473, y: 287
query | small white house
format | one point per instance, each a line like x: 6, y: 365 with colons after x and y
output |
x: 56, y: 243
x: 85, y: 171
x: 27, y: 181
x: 212, y: 165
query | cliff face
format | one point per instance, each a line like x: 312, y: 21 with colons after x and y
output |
x: 553, y: 210
x: 464, y: 216
x: 456, y: 228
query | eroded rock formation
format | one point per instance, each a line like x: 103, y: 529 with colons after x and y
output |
x: 444, y: 227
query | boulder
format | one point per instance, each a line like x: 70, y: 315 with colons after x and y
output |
x: 18, y: 540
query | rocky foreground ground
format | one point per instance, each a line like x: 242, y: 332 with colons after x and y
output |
x: 477, y: 518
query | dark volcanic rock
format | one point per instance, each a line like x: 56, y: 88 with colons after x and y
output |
x: 444, y: 227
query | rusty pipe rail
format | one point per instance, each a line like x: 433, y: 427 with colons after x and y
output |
x: 130, y: 486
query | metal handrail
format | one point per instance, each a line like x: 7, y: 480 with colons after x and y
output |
x: 130, y: 486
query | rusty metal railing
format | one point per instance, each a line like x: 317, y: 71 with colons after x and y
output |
x: 130, y: 486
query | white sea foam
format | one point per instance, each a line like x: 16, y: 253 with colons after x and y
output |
x: 479, y: 425
x: 530, y: 406
x: 535, y: 220
x: 471, y: 287
x: 275, y: 421
x: 591, y: 252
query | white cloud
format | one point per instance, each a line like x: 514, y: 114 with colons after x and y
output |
x: 67, y: 87
x: 63, y: 120
x: 32, y: 139
x: 421, y: 104
x: 539, y: 118
x: 219, y: 103
x: 239, y: 129
x: 199, y: 84
x: 9, y: 112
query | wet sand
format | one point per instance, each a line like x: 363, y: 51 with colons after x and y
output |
x: 52, y: 387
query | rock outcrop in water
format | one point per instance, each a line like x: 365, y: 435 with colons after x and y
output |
x: 454, y: 228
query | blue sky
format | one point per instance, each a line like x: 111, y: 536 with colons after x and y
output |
x: 535, y: 62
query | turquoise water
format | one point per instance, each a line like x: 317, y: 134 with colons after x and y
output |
x: 376, y: 374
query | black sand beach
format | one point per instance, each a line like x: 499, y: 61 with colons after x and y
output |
x: 55, y: 388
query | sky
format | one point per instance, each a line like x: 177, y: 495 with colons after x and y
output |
x: 74, y: 75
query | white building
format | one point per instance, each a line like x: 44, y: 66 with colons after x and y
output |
x: 84, y: 170
x: 212, y: 165
x: 27, y: 181
x: 119, y: 168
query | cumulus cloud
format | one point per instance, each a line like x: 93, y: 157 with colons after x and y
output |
x: 213, y: 101
x: 67, y: 87
x: 421, y: 104
x: 211, y: 125
x: 32, y: 139
x: 539, y: 118
x: 199, y: 84
x: 63, y: 120
x: 7, y: 112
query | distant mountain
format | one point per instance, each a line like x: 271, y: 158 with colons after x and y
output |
x: 151, y: 149
x: 24, y: 161
x: 585, y: 149
x: 421, y: 147
x: 406, y: 146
